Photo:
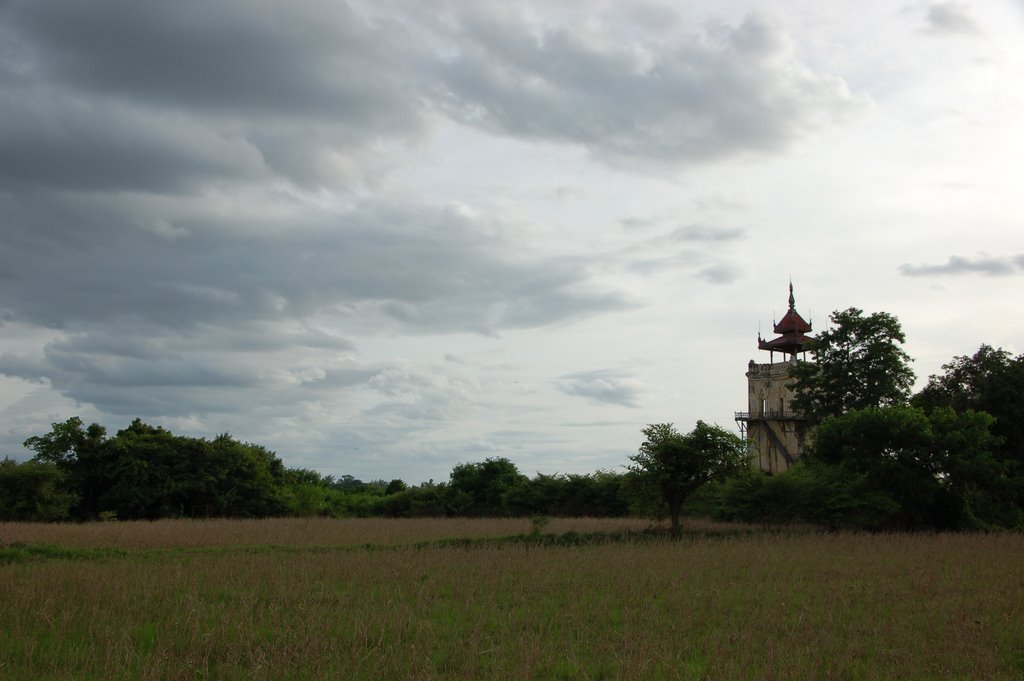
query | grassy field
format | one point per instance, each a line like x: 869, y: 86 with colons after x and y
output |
x: 329, y: 599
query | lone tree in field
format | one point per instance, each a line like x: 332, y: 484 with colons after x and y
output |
x: 676, y: 465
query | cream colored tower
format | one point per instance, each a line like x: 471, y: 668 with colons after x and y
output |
x: 774, y: 431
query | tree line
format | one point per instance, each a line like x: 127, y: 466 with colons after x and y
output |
x: 877, y: 457
x: 146, y: 472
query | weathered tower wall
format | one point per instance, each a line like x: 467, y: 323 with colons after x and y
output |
x: 774, y: 430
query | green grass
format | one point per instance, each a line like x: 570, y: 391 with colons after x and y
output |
x: 594, y: 606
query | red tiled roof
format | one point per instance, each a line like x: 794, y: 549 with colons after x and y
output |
x: 789, y: 343
x: 791, y: 323
x: 792, y: 329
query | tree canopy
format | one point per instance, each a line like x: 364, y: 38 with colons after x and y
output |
x: 858, y: 363
x: 147, y: 472
x: 483, y: 488
x: 992, y: 381
x: 937, y: 468
x: 33, y: 490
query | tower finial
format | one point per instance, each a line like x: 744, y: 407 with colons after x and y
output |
x: 792, y: 300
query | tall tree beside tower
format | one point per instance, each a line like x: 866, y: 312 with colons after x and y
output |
x: 858, y: 363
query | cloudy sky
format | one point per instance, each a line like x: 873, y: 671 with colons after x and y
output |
x: 382, y: 238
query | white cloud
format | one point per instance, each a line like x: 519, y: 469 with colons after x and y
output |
x: 611, y: 386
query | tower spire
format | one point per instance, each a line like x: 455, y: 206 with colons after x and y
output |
x: 791, y: 329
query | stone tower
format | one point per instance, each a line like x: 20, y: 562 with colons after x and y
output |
x: 774, y: 432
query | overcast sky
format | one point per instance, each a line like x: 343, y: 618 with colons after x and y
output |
x: 382, y: 238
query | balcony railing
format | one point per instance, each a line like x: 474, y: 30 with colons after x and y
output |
x: 770, y: 415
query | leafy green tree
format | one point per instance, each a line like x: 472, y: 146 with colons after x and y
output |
x: 33, y: 491
x: 858, y: 363
x: 348, y: 484
x: 147, y: 472
x: 600, y: 494
x: 66, y: 442
x: 304, y: 501
x: 305, y: 492
x: 892, y: 447
x: 676, y: 465
x: 986, y: 486
x: 482, y: 489
x: 252, y: 478
x: 77, y: 451
x: 395, y: 486
x: 818, y: 493
x: 422, y: 501
x: 937, y: 468
x: 149, y: 478
x: 992, y: 381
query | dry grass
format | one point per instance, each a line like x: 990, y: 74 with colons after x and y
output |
x: 757, y: 607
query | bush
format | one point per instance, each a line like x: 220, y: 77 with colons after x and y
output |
x: 809, y: 493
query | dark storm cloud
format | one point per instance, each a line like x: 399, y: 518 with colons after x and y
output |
x: 118, y: 95
x: 54, y: 140
x: 419, y: 267
x: 130, y: 370
x: 992, y: 266
x: 166, y: 386
x: 302, y: 58
x: 158, y: 97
